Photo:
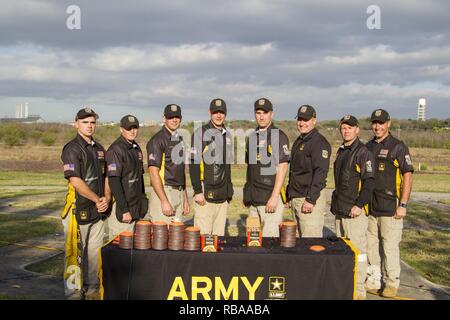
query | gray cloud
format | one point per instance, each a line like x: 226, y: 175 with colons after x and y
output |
x: 139, y: 56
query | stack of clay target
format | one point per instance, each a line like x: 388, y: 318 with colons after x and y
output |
x: 160, y: 235
x: 288, y: 231
x: 192, y: 239
x: 126, y: 240
x: 143, y: 235
x: 176, y: 236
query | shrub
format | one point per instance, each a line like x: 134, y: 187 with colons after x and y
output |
x: 12, y: 134
x: 48, y: 138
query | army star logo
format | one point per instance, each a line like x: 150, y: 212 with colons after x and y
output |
x: 218, y: 103
x: 276, y: 285
x: 131, y: 119
x: 277, y: 288
x: 88, y: 110
x: 83, y: 215
x: 378, y: 113
x: 325, y: 154
x: 261, y: 102
x: 347, y: 117
x: 173, y: 108
x: 303, y: 109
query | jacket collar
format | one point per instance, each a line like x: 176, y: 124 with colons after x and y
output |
x: 309, y: 135
x: 83, y: 142
x: 352, y: 146
x: 210, y: 125
x: 385, y: 141
x: 126, y: 143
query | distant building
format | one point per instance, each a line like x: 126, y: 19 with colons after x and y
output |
x: 149, y: 123
x: 30, y: 119
x: 421, y: 110
x: 22, y: 116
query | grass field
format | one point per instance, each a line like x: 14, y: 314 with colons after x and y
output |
x: 426, y: 242
x: 16, y: 227
x: 24, y: 178
x: 53, y: 266
x: 6, y: 193
x: 423, y: 181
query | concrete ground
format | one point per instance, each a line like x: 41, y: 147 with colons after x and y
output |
x: 17, y: 282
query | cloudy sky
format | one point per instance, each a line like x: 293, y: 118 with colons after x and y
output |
x: 137, y: 56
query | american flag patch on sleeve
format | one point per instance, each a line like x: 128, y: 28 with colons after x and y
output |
x: 112, y: 167
x: 69, y: 167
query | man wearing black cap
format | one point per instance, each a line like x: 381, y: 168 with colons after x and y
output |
x: 267, y: 158
x: 166, y: 167
x: 87, y: 204
x: 125, y: 172
x: 310, y: 161
x: 210, y: 171
x: 393, y: 182
x: 354, y: 181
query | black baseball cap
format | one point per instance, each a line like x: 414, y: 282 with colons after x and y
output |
x: 172, y: 110
x: 350, y: 120
x: 306, y: 112
x: 380, y: 115
x: 217, y: 105
x: 129, y: 121
x: 263, y: 104
x: 86, y: 112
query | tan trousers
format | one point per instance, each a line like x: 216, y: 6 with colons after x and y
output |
x: 175, y: 197
x: 90, y: 262
x: 383, y: 248
x: 115, y: 227
x: 355, y: 229
x: 211, y: 218
x: 310, y: 224
x: 269, y: 221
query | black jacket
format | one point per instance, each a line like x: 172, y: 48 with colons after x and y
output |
x: 87, y: 162
x: 211, y: 158
x: 310, y: 161
x: 125, y: 162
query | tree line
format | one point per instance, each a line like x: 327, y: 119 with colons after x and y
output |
x: 432, y: 133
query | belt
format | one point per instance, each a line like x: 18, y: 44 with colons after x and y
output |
x: 179, y: 188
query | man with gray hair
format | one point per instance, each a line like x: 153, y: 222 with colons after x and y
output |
x: 310, y: 161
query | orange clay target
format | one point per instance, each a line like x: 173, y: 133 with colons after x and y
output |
x: 317, y: 248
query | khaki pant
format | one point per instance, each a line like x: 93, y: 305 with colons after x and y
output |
x: 383, y: 249
x: 310, y: 224
x: 355, y: 229
x: 91, y: 246
x: 211, y: 217
x: 175, y: 197
x: 269, y: 221
x: 115, y: 227
x: 89, y: 265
